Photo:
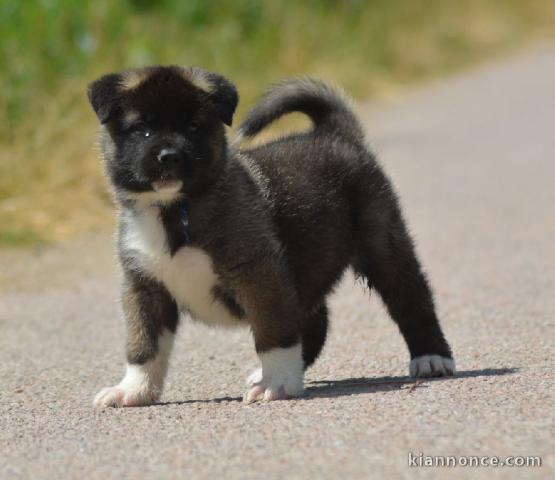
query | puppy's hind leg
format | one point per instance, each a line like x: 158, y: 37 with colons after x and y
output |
x: 390, y: 265
x: 151, y: 318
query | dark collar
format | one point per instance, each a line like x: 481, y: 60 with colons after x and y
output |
x: 175, y: 219
x: 184, y: 217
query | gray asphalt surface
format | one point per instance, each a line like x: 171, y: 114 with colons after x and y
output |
x: 473, y: 159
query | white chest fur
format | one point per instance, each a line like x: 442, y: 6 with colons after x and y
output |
x: 188, y: 274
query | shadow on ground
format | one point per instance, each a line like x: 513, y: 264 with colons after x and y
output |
x: 357, y: 386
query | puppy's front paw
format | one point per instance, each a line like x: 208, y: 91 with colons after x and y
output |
x: 125, y: 396
x: 280, y: 377
x: 140, y: 386
x: 274, y: 389
x: 254, y: 378
x: 431, y: 366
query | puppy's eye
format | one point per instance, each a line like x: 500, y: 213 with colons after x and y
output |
x: 141, y: 129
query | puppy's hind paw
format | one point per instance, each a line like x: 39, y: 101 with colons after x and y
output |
x: 431, y: 366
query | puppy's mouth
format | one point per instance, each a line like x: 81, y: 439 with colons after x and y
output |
x: 167, y: 186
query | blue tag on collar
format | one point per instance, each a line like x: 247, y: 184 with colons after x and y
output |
x: 184, y: 221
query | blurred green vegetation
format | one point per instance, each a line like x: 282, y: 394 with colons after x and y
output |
x: 51, y: 185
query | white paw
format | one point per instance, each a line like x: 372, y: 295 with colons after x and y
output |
x: 431, y: 366
x: 280, y: 377
x: 138, y: 387
x: 120, y: 396
x: 275, y: 388
x: 254, y: 377
x: 142, y: 383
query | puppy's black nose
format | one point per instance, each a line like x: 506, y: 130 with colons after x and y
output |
x: 168, y: 157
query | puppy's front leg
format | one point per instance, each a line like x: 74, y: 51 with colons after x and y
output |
x: 274, y: 314
x: 280, y: 377
x: 151, y: 317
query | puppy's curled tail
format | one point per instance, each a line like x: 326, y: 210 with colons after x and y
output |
x: 327, y: 106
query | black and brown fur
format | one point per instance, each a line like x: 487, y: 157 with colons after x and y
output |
x: 281, y: 222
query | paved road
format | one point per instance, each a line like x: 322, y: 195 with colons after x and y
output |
x: 473, y: 158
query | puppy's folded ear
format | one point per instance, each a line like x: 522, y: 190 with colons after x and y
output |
x: 224, y: 96
x: 104, y: 97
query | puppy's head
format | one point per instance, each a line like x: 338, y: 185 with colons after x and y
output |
x: 162, y: 129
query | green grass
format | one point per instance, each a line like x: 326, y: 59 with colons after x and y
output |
x: 51, y: 185
x: 19, y: 237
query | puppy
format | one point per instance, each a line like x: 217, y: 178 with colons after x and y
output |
x: 255, y: 237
